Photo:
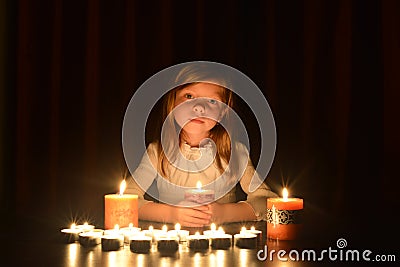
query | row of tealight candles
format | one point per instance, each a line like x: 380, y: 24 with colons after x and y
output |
x: 141, y: 241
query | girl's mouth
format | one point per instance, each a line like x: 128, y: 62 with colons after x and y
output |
x: 198, y: 121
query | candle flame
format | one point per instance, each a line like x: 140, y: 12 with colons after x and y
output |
x: 130, y: 225
x: 197, y: 233
x: 285, y: 194
x: 243, y: 230
x: 151, y: 228
x: 252, y: 228
x: 199, y: 185
x: 73, y: 226
x: 122, y: 187
x: 116, y: 227
x: 165, y: 228
x: 177, y: 227
x: 221, y: 230
x: 213, y: 227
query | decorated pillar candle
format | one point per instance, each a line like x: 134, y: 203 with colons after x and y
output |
x: 199, y: 195
x: 121, y: 209
x: 284, y: 217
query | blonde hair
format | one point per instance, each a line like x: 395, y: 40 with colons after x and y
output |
x: 188, y: 76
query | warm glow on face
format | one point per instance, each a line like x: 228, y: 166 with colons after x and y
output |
x: 198, y: 185
x: 285, y: 194
x: 122, y: 187
x: 177, y: 227
x: 213, y: 227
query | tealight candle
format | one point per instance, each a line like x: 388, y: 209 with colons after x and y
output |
x: 112, y: 242
x: 198, y: 242
x: 140, y: 243
x: 85, y: 227
x: 151, y: 232
x: 258, y: 233
x: 283, y: 217
x: 70, y: 235
x: 129, y: 231
x: 213, y: 230
x: 90, y: 238
x: 167, y: 243
x: 199, y: 195
x: 245, y: 239
x: 120, y: 208
x: 181, y: 234
x: 219, y: 239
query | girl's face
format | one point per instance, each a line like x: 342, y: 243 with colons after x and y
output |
x: 198, y: 107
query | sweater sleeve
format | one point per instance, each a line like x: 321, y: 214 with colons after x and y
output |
x: 144, y: 175
x: 256, y: 199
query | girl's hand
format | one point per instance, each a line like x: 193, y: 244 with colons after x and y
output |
x: 193, y: 216
x: 216, y: 211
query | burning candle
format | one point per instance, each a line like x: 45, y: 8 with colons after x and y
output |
x: 140, y: 243
x: 258, y: 233
x: 151, y: 232
x: 219, y: 239
x: 129, y: 231
x: 85, y: 227
x: 181, y: 234
x: 283, y: 217
x: 167, y: 243
x: 90, y: 238
x: 70, y: 235
x: 199, y: 195
x: 213, y: 230
x: 198, y: 242
x: 113, y: 239
x: 121, y: 209
x: 245, y: 239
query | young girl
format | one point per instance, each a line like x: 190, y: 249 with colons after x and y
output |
x: 197, y: 144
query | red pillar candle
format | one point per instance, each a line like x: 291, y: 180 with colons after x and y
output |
x: 283, y: 217
x: 121, y: 209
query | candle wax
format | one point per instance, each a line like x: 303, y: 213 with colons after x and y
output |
x: 121, y: 210
x: 285, y: 228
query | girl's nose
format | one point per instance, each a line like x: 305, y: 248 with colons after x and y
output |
x: 198, y: 108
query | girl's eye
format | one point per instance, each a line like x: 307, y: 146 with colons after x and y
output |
x: 189, y: 96
x: 213, y: 101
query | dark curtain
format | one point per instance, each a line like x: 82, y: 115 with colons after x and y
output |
x: 329, y: 70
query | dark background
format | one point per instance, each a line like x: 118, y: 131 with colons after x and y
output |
x: 329, y: 70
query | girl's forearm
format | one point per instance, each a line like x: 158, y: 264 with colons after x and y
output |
x: 234, y: 212
x: 156, y: 212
